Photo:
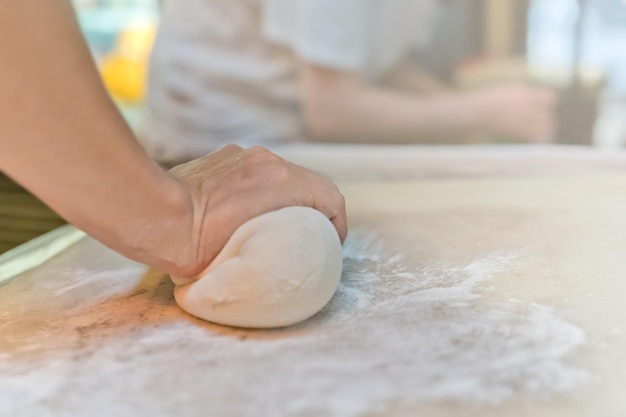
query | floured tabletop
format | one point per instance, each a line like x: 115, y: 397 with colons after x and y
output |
x: 460, y: 297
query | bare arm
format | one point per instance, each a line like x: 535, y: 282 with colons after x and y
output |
x: 338, y: 106
x: 410, y: 78
x: 62, y: 138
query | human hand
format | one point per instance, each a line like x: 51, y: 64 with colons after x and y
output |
x: 232, y: 185
x: 517, y: 111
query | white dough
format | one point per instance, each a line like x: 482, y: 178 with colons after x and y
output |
x: 276, y: 270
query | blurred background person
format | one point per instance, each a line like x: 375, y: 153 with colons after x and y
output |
x: 280, y: 71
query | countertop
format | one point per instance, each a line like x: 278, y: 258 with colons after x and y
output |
x: 478, y: 281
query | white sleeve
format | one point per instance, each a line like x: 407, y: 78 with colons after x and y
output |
x: 330, y: 33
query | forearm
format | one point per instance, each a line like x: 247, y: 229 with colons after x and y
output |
x: 412, y: 79
x: 63, y: 139
x: 356, y: 112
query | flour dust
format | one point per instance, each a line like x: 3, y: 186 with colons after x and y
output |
x: 393, y: 334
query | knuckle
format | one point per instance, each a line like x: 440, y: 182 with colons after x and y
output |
x: 279, y: 172
x: 257, y: 149
x: 230, y: 147
x: 259, y: 154
x: 339, y: 198
x: 342, y: 201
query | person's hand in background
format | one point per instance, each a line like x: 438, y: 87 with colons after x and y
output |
x: 516, y: 111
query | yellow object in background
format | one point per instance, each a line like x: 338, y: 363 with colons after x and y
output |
x: 124, y: 69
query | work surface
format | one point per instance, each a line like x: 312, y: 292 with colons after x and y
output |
x: 460, y: 297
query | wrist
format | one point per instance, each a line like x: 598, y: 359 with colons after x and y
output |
x: 162, y: 237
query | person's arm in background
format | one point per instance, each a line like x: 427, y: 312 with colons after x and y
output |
x: 410, y: 78
x: 339, y: 106
x: 62, y: 138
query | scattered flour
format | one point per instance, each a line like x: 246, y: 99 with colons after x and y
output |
x: 392, y: 334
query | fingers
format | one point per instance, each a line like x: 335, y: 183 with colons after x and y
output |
x: 333, y: 206
x: 321, y: 194
x: 340, y: 221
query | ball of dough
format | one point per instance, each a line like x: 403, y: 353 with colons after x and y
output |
x: 276, y: 270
